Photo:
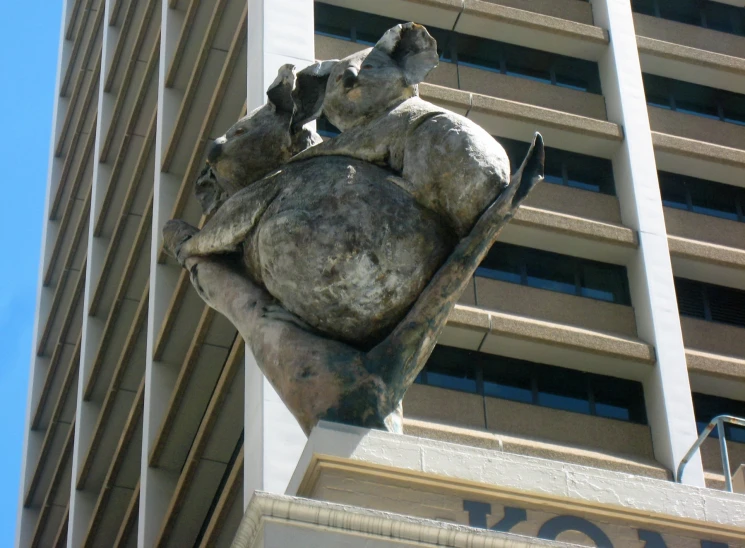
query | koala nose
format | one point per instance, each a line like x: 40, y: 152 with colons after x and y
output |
x: 214, y: 152
x: 349, y: 78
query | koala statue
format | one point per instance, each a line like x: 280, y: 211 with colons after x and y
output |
x: 339, y: 262
x: 448, y: 164
x: 338, y: 241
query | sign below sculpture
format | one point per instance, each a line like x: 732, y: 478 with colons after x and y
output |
x: 491, y: 507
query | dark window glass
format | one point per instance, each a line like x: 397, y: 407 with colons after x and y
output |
x: 644, y: 6
x: 711, y: 14
x: 618, y: 398
x: 712, y: 199
x: 701, y: 196
x: 452, y: 368
x: 567, y: 168
x: 331, y: 21
x: 479, y: 53
x: 727, y: 305
x: 564, y: 389
x: 326, y: 128
x: 690, y: 298
x: 682, y: 11
x: 720, y: 17
x: 553, y: 272
x: 534, y: 383
x: 528, y: 63
x: 694, y: 99
x: 673, y: 191
x: 507, y: 379
x: 545, y: 67
x: 556, y: 272
x: 506, y: 264
x: 710, y: 302
x: 706, y: 407
x: 733, y: 107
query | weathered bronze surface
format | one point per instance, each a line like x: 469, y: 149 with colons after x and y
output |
x: 339, y: 261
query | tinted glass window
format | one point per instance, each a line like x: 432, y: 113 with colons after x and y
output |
x: 555, y: 272
x: 710, y: 302
x: 701, y: 196
x: 711, y: 14
x: 567, y: 168
x: 534, y: 383
x: 706, y: 407
x: 694, y: 99
x: 545, y: 67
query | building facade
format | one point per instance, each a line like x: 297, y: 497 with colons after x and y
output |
x: 604, y: 329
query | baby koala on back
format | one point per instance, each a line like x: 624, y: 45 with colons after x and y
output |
x: 448, y: 163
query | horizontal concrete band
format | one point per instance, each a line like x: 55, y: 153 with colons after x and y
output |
x: 542, y: 117
x: 370, y: 524
x: 690, y: 55
x: 491, y: 322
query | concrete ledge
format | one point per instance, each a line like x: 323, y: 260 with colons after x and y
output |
x: 576, y: 226
x: 691, y: 64
x: 534, y: 448
x: 568, y: 336
x: 707, y: 252
x: 699, y: 159
x: 508, y: 24
x: 715, y: 365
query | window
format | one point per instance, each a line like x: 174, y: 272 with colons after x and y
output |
x: 567, y: 168
x: 702, y: 13
x: 555, y: 272
x: 533, y: 383
x: 522, y: 62
x: 367, y: 28
x: 716, y: 104
x: 700, y: 196
x: 707, y: 407
x: 710, y: 302
x: 326, y: 128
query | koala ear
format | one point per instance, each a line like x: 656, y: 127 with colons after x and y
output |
x: 279, y: 92
x: 208, y: 191
x: 309, y: 92
x: 412, y: 48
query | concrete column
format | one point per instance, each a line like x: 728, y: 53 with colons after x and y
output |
x: 667, y: 390
x: 279, y: 32
x: 32, y: 440
x: 82, y: 502
x: 157, y: 485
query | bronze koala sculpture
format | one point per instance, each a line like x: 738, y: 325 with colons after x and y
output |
x: 339, y: 261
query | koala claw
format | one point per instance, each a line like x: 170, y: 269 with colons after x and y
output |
x: 175, y: 234
x: 279, y: 313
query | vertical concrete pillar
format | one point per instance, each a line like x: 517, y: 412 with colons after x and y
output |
x: 32, y: 440
x: 667, y: 390
x: 157, y: 485
x: 279, y: 32
x: 82, y: 502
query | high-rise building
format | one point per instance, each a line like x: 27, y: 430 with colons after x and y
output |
x: 604, y: 330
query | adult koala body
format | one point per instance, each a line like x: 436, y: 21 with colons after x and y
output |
x: 336, y: 240
x: 447, y: 163
x: 346, y: 234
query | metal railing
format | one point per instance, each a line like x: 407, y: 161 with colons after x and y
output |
x: 717, y: 422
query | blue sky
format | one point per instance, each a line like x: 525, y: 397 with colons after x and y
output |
x: 29, y: 38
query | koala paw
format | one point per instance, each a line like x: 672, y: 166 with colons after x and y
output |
x: 278, y: 313
x: 175, y: 234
